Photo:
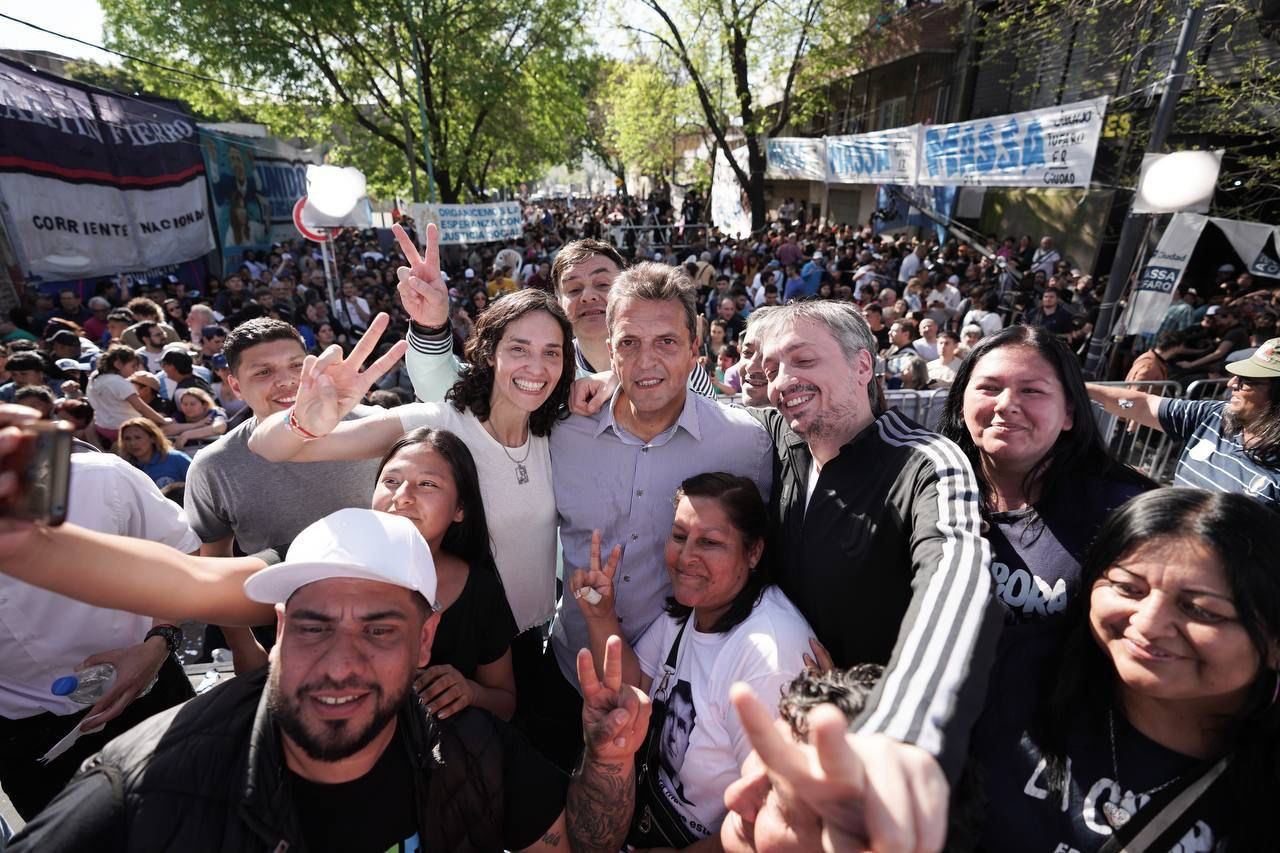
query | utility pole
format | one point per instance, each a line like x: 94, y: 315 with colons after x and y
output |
x: 422, y: 104
x: 1134, y: 223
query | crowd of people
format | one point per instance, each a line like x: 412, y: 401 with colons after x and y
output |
x: 531, y: 546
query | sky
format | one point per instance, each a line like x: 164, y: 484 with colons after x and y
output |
x: 79, y: 18
x: 83, y: 19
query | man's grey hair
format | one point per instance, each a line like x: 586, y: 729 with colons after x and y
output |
x: 654, y: 282
x: 842, y: 319
x: 760, y: 316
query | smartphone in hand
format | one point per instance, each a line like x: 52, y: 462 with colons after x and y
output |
x: 42, y: 464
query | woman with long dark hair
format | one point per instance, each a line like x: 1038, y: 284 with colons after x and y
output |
x: 516, y: 386
x: 429, y: 476
x: 1018, y: 409
x: 1152, y: 724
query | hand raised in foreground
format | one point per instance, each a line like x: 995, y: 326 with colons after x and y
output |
x: 615, y: 716
x: 331, y: 386
x: 868, y: 791
x: 422, y: 288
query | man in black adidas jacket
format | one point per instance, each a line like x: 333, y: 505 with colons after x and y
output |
x: 877, y: 540
x: 328, y: 748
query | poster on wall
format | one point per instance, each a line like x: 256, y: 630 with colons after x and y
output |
x: 730, y: 208
x: 94, y: 183
x: 253, y: 184
x: 1051, y: 148
x: 472, y: 223
x: 882, y: 157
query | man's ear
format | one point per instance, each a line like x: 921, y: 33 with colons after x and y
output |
x: 234, y: 383
x: 279, y: 623
x: 426, y: 638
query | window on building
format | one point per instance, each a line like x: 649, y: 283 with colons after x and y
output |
x: 892, y: 113
x: 942, y: 106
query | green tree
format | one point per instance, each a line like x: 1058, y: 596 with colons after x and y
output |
x: 501, y: 80
x: 757, y: 45
x: 646, y: 116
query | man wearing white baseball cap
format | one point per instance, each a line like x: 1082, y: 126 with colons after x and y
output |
x: 1230, y: 446
x: 328, y: 749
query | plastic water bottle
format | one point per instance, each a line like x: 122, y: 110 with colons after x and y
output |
x: 86, y: 686
x: 90, y: 684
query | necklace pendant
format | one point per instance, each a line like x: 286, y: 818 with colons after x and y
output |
x: 1115, y: 815
x: 522, y: 474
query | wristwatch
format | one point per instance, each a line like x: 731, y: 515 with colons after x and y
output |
x: 172, y: 635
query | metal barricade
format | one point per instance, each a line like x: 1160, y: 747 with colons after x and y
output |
x: 1209, y: 389
x: 1148, y: 450
x: 923, y: 407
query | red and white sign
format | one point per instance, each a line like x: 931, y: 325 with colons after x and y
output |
x: 317, y: 235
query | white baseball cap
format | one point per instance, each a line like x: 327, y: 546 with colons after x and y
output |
x: 469, y: 273
x: 351, y: 543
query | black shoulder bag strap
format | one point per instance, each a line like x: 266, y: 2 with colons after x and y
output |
x: 655, y: 823
x: 1144, y: 833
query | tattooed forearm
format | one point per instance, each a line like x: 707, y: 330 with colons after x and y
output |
x: 601, y: 799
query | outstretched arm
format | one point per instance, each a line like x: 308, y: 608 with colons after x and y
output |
x: 1126, y: 403
x: 136, y: 575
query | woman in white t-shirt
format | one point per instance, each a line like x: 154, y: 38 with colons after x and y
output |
x: 725, y: 623
x: 520, y: 367
x: 113, y: 397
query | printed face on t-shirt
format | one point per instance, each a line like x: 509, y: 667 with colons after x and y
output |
x: 677, y: 726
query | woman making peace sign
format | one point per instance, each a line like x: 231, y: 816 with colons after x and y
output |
x: 520, y: 367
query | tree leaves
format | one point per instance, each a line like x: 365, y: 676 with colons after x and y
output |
x: 499, y: 77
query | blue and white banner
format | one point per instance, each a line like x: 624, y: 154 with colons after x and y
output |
x: 1153, y: 292
x: 472, y: 223
x: 795, y: 158
x: 1050, y: 148
x: 882, y: 157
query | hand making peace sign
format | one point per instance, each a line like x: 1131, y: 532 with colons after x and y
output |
x: 594, y: 589
x: 422, y: 288
x: 331, y: 386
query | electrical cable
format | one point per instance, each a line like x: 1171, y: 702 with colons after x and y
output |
x: 132, y: 58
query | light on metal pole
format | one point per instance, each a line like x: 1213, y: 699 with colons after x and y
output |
x: 336, y: 198
x: 1131, y: 233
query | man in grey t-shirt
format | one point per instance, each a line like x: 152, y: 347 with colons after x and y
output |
x: 235, y: 497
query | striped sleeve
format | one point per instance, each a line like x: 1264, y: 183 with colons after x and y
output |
x: 431, y: 364
x: 935, y: 684
x: 430, y: 344
x: 700, y: 382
